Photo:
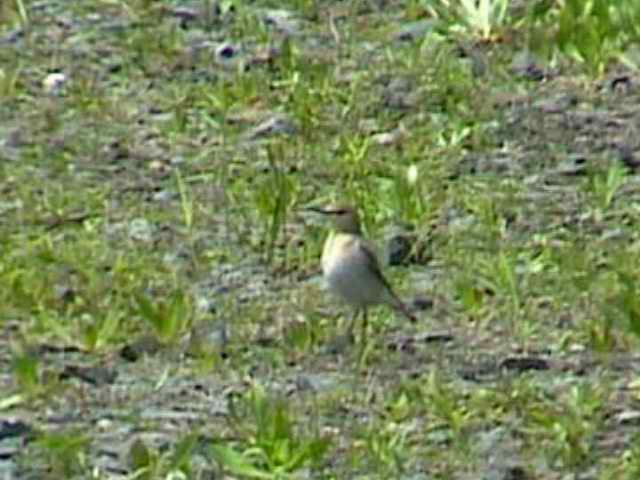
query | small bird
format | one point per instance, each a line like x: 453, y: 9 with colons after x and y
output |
x: 352, y: 269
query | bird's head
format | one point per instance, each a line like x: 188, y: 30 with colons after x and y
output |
x: 345, y: 218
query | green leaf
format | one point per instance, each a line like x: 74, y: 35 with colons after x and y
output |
x: 11, y: 401
x: 311, y: 451
x: 140, y: 456
x: 183, y: 452
x: 236, y: 463
x: 146, y: 309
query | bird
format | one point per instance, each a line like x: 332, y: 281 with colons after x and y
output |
x: 352, y: 270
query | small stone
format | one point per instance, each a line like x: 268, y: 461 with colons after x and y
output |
x: 54, y: 82
x: 65, y: 293
x: 276, y: 125
x: 104, y: 424
x: 368, y: 126
x: 225, y: 51
x: 207, y: 337
x: 522, y: 364
x: 163, y: 196
x: 414, y: 30
x: 628, y: 417
x: 158, y: 166
x: 147, y: 345
x: 525, y: 65
x: 389, y: 138
x: 10, y: 428
x: 422, y: 303
x: 559, y: 103
x: 96, y: 376
x: 281, y: 20
x: 398, y: 248
x: 140, y: 229
x: 576, y: 348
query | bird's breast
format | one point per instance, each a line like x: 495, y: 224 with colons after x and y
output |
x: 348, y: 273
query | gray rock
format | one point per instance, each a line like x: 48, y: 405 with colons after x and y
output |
x: 141, y: 229
x: 414, y: 30
x: 398, y: 248
x: 282, y: 20
x: 275, y: 125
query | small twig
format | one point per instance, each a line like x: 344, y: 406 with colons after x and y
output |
x: 333, y: 29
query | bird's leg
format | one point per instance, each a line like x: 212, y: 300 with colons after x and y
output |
x: 365, y: 325
x: 351, y: 326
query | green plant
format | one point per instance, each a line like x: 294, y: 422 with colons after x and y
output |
x: 14, y: 10
x: 627, y: 302
x: 570, y: 424
x: 273, y: 199
x: 597, y: 31
x: 148, y: 463
x: 26, y: 371
x: 303, y: 88
x: 630, y: 465
x: 99, y: 330
x: 65, y: 452
x: 9, y: 80
x: 301, y: 335
x: 355, y: 156
x: 269, y: 443
x: 387, y: 445
x: 168, y: 317
x: 480, y: 18
x: 494, y: 276
x: 445, y: 404
x: 470, y: 295
x: 407, y: 195
x: 604, y: 186
x: 505, y: 278
x: 186, y: 201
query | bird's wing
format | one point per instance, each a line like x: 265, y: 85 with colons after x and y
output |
x: 368, y: 250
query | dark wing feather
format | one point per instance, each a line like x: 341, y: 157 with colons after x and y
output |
x: 368, y: 251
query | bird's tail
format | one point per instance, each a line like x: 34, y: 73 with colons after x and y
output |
x: 401, y: 307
